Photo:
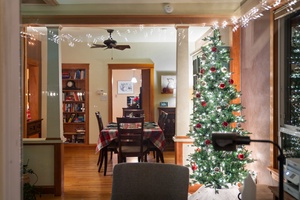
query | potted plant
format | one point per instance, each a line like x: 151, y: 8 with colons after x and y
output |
x: 29, y: 190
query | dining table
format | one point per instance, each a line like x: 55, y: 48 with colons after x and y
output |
x: 151, y: 131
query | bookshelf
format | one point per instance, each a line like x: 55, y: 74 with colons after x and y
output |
x: 75, y: 103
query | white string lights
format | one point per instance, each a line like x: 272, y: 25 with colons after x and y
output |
x: 256, y: 12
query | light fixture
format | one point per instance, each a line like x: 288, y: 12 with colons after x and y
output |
x: 228, y: 142
x: 133, y: 79
x: 168, y: 8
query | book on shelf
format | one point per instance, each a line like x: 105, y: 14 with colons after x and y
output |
x: 72, y: 117
x: 66, y: 75
x: 81, y: 131
x: 77, y: 74
x: 82, y: 74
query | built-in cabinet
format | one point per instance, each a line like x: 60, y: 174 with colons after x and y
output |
x: 75, y: 103
x: 290, y: 84
x: 169, y: 126
x: 32, y: 89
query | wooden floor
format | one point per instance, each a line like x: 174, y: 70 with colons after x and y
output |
x: 83, y: 182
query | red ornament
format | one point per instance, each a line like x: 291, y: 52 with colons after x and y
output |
x: 240, y: 156
x: 207, y: 142
x: 198, y: 125
x: 213, y: 69
x: 225, y: 124
x: 222, y: 86
x: 203, y: 103
x: 194, y: 167
x: 198, y: 150
x: 198, y: 95
x: 202, y: 71
x: 214, y: 49
x: 231, y: 81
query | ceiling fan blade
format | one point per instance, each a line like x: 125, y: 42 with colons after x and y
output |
x: 122, y: 47
x: 98, y: 46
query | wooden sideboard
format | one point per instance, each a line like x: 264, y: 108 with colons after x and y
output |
x: 34, y: 128
x: 169, y: 127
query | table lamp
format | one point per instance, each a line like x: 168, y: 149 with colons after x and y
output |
x: 228, y: 142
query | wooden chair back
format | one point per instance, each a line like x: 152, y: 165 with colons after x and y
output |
x: 133, y: 112
x: 162, y: 119
x: 99, y: 120
x: 130, y: 138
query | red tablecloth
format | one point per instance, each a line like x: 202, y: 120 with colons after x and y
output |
x: 155, y: 135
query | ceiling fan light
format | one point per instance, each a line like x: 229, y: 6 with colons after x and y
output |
x: 134, y: 80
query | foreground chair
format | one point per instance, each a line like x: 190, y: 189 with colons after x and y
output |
x: 112, y: 147
x: 150, y: 181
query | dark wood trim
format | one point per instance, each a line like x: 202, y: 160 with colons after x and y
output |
x: 123, y: 19
x: 274, y: 96
x: 58, y: 169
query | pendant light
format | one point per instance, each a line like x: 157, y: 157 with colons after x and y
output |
x: 133, y: 79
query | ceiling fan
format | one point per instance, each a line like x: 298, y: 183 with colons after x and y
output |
x: 110, y: 43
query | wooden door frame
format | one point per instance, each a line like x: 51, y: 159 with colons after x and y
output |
x: 141, y: 66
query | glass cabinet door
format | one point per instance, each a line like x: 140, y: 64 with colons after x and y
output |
x: 293, y: 73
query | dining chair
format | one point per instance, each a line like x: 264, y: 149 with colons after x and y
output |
x: 112, y: 147
x: 130, y: 138
x: 157, y: 153
x: 130, y: 112
x: 150, y: 181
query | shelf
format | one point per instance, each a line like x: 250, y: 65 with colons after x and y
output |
x: 75, y: 103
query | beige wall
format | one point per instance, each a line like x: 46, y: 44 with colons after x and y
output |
x: 120, y: 100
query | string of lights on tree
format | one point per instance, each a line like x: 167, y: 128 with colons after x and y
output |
x: 214, y: 111
x: 237, y: 22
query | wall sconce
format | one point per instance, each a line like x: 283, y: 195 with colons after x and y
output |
x: 228, y: 142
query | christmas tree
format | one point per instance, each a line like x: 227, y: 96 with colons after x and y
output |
x: 215, y: 111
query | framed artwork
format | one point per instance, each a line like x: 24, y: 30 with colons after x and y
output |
x: 168, y: 84
x: 125, y: 87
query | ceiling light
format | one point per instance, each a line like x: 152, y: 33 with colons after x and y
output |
x: 133, y: 80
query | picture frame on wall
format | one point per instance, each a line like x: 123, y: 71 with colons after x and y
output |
x: 168, y: 84
x: 125, y: 87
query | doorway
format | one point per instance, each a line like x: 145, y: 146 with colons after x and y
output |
x: 147, y: 76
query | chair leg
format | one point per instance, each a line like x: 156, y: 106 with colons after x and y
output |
x: 160, y: 156
x: 105, y: 161
x: 100, y: 159
x: 153, y: 154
